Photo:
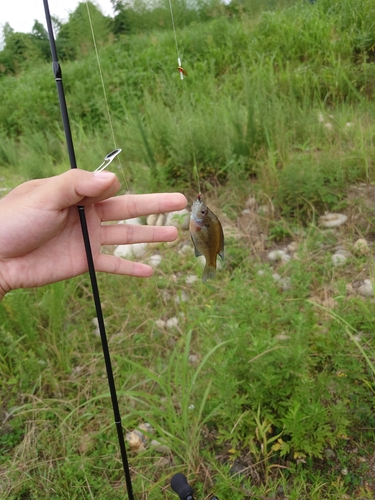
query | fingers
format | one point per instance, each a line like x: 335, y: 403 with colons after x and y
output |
x: 129, y: 206
x: 122, y: 234
x: 76, y: 187
x: 117, y: 265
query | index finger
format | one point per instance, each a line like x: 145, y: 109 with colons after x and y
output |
x: 134, y: 205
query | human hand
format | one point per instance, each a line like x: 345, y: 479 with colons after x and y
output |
x: 40, y: 232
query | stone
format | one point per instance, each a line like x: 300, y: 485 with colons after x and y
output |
x: 151, y: 219
x: 134, y: 250
x: 360, y: 247
x: 366, y: 289
x: 276, y: 255
x: 160, y: 220
x: 179, y: 219
x: 338, y: 259
x: 155, y: 260
x: 172, y: 323
x: 332, y: 220
x: 191, y: 278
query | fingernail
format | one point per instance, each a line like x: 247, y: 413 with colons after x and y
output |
x: 104, y: 175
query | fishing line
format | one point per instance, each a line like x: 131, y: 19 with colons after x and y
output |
x: 110, y: 122
x: 182, y: 73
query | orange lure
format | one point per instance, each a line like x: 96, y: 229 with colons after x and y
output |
x: 207, y: 235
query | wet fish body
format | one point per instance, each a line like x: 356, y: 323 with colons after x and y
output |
x: 207, y: 235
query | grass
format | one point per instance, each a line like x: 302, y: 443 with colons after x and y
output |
x: 264, y: 387
x: 251, y: 375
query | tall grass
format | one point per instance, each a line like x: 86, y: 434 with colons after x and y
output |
x: 254, y: 91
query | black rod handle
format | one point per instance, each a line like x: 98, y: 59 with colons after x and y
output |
x: 180, y: 485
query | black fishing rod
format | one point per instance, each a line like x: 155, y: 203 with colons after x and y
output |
x: 183, y: 489
x: 178, y: 482
x: 90, y: 262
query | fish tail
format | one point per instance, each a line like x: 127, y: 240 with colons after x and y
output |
x: 209, y: 272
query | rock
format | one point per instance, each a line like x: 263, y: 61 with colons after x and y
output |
x: 338, y: 259
x: 276, y: 255
x: 186, y: 250
x: 135, y: 440
x: 159, y: 447
x: 365, y: 289
x: 179, y: 219
x: 332, y: 220
x: 251, y: 203
x: 292, y: 247
x: 155, y: 260
x: 285, y: 258
x: 330, y: 454
x: 135, y: 250
x: 160, y: 323
x: 136, y: 221
x: 201, y: 261
x: 264, y: 209
x: 190, y: 279
x: 193, y: 359
x: 172, y: 323
x: 151, y: 219
x: 160, y: 220
x: 360, y: 247
x: 285, y: 284
x: 181, y: 297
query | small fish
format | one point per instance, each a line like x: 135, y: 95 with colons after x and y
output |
x: 207, y: 236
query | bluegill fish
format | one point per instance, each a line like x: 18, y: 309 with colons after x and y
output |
x: 207, y: 235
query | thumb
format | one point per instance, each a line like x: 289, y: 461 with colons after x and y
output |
x: 76, y: 187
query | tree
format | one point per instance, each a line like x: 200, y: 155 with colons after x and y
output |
x: 75, y: 37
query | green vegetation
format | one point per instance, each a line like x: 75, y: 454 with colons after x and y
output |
x: 265, y: 387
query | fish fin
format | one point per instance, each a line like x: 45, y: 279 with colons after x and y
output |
x: 209, y: 272
x: 196, y: 251
x: 221, y: 252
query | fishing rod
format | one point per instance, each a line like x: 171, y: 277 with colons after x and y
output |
x: 179, y: 482
x: 183, y: 489
x: 90, y: 262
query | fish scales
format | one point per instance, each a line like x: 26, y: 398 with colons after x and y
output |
x: 207, y: 236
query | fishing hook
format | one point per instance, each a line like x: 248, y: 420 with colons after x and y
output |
x: 108, y: 159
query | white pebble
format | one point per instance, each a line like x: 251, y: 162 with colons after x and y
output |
x: 251, y: 203
x: 179, y: 219
x: 155, y: 260
x: 160, y: 220
x: 151, y: 219
x: 333, y: 220
x: 161, y: 448
x: 292, y: 247
x: 285, y: 258
x: 172, y: 322
x: 160, y: 323
x: 192, y: 278
x: 338, y: 259
x: 136, y: 250
x: 181, y: 297
x: 136, y: 221
x: 186, y: 249
x: 366, y: 290
x: 361, y: 247
x: 276, y: 255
